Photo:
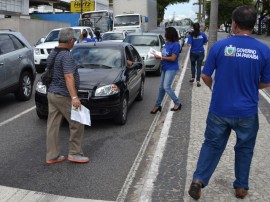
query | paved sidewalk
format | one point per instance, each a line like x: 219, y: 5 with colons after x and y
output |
x: 176, y: 170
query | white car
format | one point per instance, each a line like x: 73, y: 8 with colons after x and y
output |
x: 114, y: 36
x: 143, y: 42
x: 42, y: 50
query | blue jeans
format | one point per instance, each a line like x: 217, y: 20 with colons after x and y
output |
x: 217, y: 133
x: 196, y: 58
x: 166, y: 80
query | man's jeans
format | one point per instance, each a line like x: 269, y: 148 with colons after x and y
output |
x: 196, y: 58
x: 217, y: 133
x: 166, y: 80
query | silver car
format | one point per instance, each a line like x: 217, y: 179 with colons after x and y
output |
x: 143, y: 42
x: 17, y: 69
x: 114, y: 36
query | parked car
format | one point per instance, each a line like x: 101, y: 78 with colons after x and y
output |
x: 116, y: 36
x: 143, y: 42
x: 17, y: 69
x: 42, y: 50
x: 107, y: 85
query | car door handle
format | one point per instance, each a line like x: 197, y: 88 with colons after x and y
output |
x: 20, y: 57
x: 1, y: 64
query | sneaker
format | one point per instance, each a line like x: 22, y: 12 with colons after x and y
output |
x: 191, y: 80
x: 241, y: 193
x: 198, y: 84
x: 56, y: 160
x: 78, y: 158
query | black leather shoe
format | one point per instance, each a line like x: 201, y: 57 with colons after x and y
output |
x: 176, y: 109
x: 241, y: 193
x: 155, y: 110
x: 191, y: 80
x: 195, y: 189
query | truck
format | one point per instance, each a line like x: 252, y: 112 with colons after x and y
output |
x: 135, y: 15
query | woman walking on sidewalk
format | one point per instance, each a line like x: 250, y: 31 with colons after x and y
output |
x: 170, y: 66
x: 196, y: 40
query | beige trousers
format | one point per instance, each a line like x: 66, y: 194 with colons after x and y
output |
x: 59, y: 107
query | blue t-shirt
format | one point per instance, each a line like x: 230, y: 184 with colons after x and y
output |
x: 240, y: 64
x: 167, y: 51
x: 197, y: 42
x: 85, y: 40
x: 64, y: 64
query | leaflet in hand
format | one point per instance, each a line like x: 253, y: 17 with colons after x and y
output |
x: 82, y: 116
x: 152, y: 52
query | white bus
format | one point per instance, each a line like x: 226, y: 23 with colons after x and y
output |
x: 131, y: 22
x: 98, y: 20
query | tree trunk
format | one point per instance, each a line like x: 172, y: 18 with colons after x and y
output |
x: 213, y: 23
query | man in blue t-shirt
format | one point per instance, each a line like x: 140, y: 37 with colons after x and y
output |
x: 242, y: 67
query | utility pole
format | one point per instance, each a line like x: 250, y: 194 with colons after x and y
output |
x: 213, y: 23
x: 81, y: 7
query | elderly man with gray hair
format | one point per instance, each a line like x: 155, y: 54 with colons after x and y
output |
x: 62, y: 94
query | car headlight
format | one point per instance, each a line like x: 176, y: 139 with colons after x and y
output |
x: 37, y: 51
x: 107, y: 90
x: 41, y: 88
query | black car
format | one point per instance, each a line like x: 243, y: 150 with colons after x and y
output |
x: 108, y: 85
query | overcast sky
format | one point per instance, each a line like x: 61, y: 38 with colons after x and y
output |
x: 182, y: 10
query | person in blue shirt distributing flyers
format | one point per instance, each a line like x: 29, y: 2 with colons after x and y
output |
x: 242, y: 67
x: 170, y: 67
x: 196, y: 40
x: 83, y: 37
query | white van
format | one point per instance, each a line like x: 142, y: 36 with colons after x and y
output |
x: 130, y: 22
x: 42, y: 51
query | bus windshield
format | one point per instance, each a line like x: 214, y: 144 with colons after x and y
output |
x: 98, y: 20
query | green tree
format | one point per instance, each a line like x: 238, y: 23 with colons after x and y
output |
x: 263, y: 8
x: 161, y: 7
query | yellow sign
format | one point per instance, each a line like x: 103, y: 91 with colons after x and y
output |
x: 87, y: 5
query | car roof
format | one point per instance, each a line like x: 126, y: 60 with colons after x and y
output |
x: 74, y: 27
x: 143, y: 33
x: 102, y: 44
x: 109, y: 32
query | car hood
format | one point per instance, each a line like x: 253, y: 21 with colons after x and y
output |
x: 51, y: 44
x: 92, y: 78
x: 143, y: 50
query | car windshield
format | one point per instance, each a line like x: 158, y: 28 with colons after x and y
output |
x: 142, y: 40
x: 53, y: 36
x: 112, y: 36
x: 97, y: 57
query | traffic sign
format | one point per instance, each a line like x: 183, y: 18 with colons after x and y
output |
x: 87, y: 5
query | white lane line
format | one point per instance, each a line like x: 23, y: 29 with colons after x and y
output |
x: 147, y: 190
x: 17, y: 116
x: 265, y: 95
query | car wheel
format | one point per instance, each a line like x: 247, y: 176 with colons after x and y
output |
x: 25, y: 88
x: 159, y: 70
x: 121, y: 117
x: 40, y: 115
x: 141, y: 92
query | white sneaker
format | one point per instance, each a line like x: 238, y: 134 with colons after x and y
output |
x: 78, y: 158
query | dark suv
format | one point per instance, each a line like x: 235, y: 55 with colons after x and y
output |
x: 17, y: 69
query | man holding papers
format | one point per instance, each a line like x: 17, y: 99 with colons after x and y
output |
x: 62, y: 95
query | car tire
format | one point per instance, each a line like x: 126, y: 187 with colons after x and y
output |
x: 159, y: 70
x: 24, y: 91
x: 40, y: 115
x: 141, y: 92
x: 121, y: 117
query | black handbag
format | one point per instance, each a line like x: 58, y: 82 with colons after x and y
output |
x: 46, y: 77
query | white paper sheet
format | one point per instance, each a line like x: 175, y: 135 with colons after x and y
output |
x: 82, y: 116
x: 151, y: 53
